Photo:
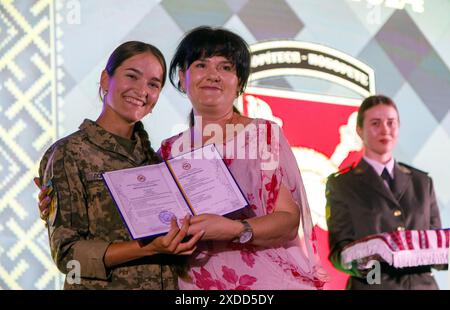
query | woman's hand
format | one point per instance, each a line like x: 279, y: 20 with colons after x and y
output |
x: 216, y: 227
x: 172, y: 242
x: 365, y: 262
x: 44, y: 199
x: 272, y: 229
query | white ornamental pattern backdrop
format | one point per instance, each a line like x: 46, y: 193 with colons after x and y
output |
x: 29, y: 94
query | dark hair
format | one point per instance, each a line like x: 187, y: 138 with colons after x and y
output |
x: 203, y: 42
x: 145, y: 140
x: 370, y: 102
x: 129, y: 49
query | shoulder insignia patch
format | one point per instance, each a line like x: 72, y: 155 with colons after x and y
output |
x: 404, y: 169
x: 53, y: 206
x: 358, y: 170
x: 408, y: 169
x: 342, y: 171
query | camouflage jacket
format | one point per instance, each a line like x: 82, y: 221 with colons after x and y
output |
x: 85, y: 219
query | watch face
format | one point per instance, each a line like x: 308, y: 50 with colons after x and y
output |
x: 245, y: 236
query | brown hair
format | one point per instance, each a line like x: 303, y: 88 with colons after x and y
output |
x: 129, y: 49
x: 370, y: 102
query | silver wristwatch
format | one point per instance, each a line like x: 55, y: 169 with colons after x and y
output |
x: 247, y: 234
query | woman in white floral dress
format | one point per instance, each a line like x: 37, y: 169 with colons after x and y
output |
x: 270, y: 244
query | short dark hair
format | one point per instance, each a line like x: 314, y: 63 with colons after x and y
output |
x: 370, y: 102
x: 131, y: 48
x: 203, y: 42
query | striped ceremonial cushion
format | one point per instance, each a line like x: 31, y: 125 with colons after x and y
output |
x: 407, y: 248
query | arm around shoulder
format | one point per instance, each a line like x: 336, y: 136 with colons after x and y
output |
x: 70, y: 226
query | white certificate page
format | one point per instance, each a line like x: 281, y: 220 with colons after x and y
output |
x: 207, y: 182
x: 147, y: 198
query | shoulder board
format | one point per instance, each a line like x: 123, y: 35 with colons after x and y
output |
x: 408, y: 169
x: 343, y: 171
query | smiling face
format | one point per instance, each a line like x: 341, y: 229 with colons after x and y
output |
x: 211, y: 84
x: 379, y: 132
x: 133, y: 89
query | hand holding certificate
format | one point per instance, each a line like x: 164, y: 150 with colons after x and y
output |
x: 148, y: 197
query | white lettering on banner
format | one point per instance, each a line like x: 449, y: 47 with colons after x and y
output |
x: 417, y: 6
x: 338, y: 67
x: 288, y: 57
x: 272, y: 58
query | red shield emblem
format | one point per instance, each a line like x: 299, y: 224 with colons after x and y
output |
x: 321, y: 132
x: 319, y: 128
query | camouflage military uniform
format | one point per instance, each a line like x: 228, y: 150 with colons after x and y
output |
x: 86, y: 219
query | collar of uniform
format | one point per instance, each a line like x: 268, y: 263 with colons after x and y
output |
x: 369, y: 177
x: 102, y: 138
x: 379, y: 167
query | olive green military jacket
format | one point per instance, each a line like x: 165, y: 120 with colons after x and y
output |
x: 86, y: 220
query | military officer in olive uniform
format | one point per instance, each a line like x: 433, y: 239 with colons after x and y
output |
x: 380, y: 195
x: 85, y: 227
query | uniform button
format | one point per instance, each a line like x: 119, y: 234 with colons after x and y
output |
x: 397, y: 212
x: 400, y: 228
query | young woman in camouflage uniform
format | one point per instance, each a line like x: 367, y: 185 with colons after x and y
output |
x: 85, y: 228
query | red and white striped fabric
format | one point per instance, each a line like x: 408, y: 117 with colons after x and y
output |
x: 400, y: 248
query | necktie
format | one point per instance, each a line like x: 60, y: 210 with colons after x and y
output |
x: 387, y: 177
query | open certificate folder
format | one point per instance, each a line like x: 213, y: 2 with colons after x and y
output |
x: 148, y: 197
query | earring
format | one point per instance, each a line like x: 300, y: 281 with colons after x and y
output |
x: 105, y: 92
